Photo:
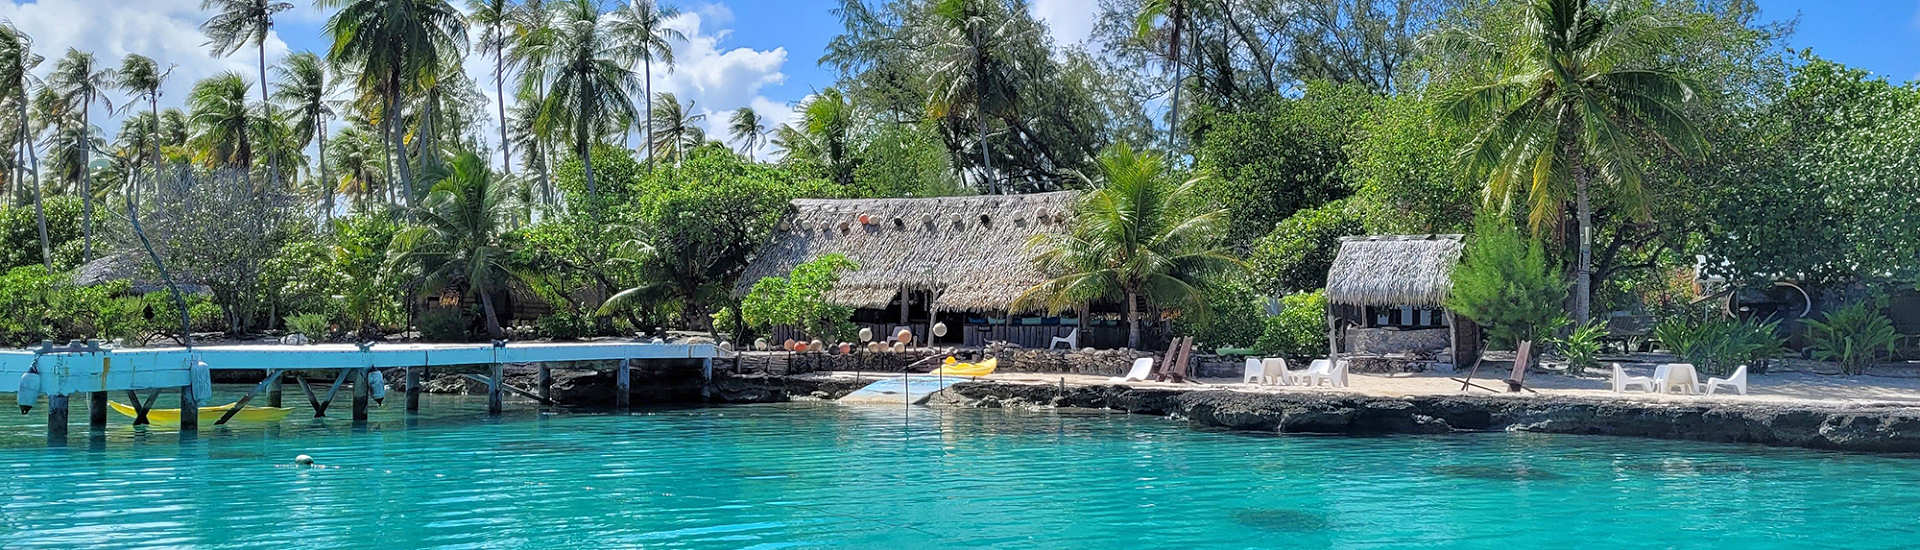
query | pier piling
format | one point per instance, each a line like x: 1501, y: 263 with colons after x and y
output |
x: 189, y: 410
x: 623, y: 383
x: 361, y: 395
x: 274, y: 393
x: 413, y: 388
x: 97, y: 410
x: 57, y: 418
x: 494, y: 398
x: 545, y: 387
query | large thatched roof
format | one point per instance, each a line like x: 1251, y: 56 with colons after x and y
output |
x: 1393, y: 270
x: 131, y: 266
x: 972, y: 250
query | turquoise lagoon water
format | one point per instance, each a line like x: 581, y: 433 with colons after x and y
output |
x: 822, y: 475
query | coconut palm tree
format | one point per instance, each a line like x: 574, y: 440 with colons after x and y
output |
x: 79, y: 79
x: 675, y: 129
x: 748, y: 128
x: 495, y: 19
x: 234, y: 25
x: 531, y: 45
x: 222, y: 122
x: 390, y: 45
x: 1178, y: 13
x: 1138, y: 235
x: 1575, y: 101
x: 591, y: 89
x: 303, y: 85
x: 17, y: 62
x: 458, y: 240
x: 141, y: 76
x: 357, y: 156
x: 641, y: 26
x: 970, y: 79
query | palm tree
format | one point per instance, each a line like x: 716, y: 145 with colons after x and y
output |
x: 591, y: 83
x: 222, y: 122
x: 749, y: 128
x: 1178, y: 14
x: 968, y: 74
x: 79, y: 79
x: 1579, y: 101
x: 357, y: 156
x: 828, y: 120
x: 303, y: 85
x: 392, y: 44
x: 234, y: 25
x: 459, y: 240
x: 1137, y: 235
x: 532, y: 45
x: 141, y: 76
x: 494, y: 18
x: 17, y: 62
x: 641, y: 26
x: 675, y: 129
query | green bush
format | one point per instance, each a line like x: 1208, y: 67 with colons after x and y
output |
x: 1505, y: 284
x: 1718, y: 347
x: 1581, y: 347
x: 1232, y: 318
x: 313, y: 325
x: 1854, y: 336
x: 562, y: 325
x: 445, y: 324
x: 39, y: 305
x: 1295, y: 257
x: 799, y: 300
x: 1300, y: 330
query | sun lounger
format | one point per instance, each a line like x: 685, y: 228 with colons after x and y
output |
x: 1276, y: 371
x: 1672, y: 376
x: 1334, y: 373
x: 1621, y: 381
x: 1256, y: 372
x: 1142, y: 368
x: 1738, y: 381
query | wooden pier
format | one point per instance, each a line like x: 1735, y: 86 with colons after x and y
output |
x: 60, y: 372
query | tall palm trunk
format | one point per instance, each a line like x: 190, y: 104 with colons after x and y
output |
x: 39, y: 206
x: 153, y: 104
x: 399, y: 141
x: 86, y: 180
x: 493, y: 319
x: 266, y: 110
x: 980, y: 113
x: 1133, y: 319
x: 1582, y: 270
x: 499, y: 90
x: 646, y: 123
x: 326, y: 185
x: 1179, y: 75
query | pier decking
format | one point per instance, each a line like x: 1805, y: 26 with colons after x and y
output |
x: 59, y: 372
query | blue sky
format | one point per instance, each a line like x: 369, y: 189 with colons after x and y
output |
x: 764, y: 53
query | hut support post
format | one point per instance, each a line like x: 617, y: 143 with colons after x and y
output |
x: 1453, y: 340
x: 361, y: 395
x: 97, y: 410
x: 1333, y: 333
x: 189, y: 409
x: 494, y: 399
x: 903, y: 305
x: 57, y: 419
x: 413, y: 388
x: 623, y: 383
x: 545, y: 384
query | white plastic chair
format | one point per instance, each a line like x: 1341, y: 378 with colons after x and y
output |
x: 1276, y: 371
x: 1256, y: 372
x: 1331, y: 372
x: 1621, y: 381
x: 1671, y: 376
x: 1738, y: 381
x: 1072, y: 340
x: 1142, y: 368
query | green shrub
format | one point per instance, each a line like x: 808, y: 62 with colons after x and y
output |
x: 1505, y: 284
x: 1582, y: 346
x: 1854, y: 336
x: 799, y: 300
x: 313, y: 325
x: 562, y: 325
x: 444, y: 324
x: 1232, y: 318
x: 1295, y: 257
x: 1718, y: 347
x: 39, y: 305
x: 1300, y: 330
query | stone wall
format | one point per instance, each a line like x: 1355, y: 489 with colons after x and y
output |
x: 1388, y: 340
x: 1101, y: 362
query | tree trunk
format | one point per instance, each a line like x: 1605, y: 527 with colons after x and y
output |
x: 153, y: 103
x: 980, y: 115
x: 326, y: 185
x: 86, y: 180
x: 493, y: 319
x: 39, y: 206
x: 1179, y: 75
x: 646, y: 123
x: 499, y: 90
x: 1582, y: 270
x: 399, y: 141
x: 1133, y: 320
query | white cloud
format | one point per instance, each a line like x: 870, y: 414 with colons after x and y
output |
x: 166, y: 30
x: 1070, y: 20
x: 717, y: 81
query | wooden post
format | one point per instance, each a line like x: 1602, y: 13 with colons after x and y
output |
x: 57, y: 419
x: 1453, y: 340
x: 274, y: 393
x: 361, y: 395
x: 494, y: 398
x: 189, y: 409
x: 413, y: 388
x: 903, y: 308
x: 623, y: 384
x: 706, y: 379
x: 1333, y: 333
x: 545, y: 384
x: 273, y: 377
x: 97, y: 410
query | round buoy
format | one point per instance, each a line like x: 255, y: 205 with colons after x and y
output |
x: 29, y: 391
x: 904, y: 335
x: 303, y: 460
x: 760, y: 344
x: 939, y: 329
x: 899, y: 347
x: 817, y: 345
x: 866, y: 335
x: 788, y: 345
x: 846, y: 348
x: 799, y: 346
x: 378, y: 384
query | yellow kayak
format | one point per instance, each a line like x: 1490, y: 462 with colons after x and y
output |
x: 207, y: 414
x: 952, y: 368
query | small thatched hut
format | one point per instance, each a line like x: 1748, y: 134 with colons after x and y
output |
x: 1386, y: 295
x: 956, y: 260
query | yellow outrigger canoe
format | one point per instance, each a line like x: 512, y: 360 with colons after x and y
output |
x: 207, y: 414
x: 953, y: 368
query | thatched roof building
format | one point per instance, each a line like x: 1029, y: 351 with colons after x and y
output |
x: 1387, y: 294
x: 970, y: 252
x: 1393, y: 270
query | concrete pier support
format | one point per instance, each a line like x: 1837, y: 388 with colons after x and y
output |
x: 623, y: 385
x: 57, y: 418
x: 189, y: 410
x: 706, y: 379
x: 545, y: 385
x: 413, y: 388
x: 494, y: 398
x: 274, y: 394
x: 97, y: 410
x: 361, y: 395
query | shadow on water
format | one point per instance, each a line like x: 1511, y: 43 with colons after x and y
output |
x: 1280, y: 519
x: 1501, y: 472
x: 1691, y: 467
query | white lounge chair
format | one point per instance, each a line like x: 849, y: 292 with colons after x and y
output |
x: 1142, y: 368
x: 1738, y: 381
x: 1621, y: 381
x: 1671, y: 376
x: 1256, y: 372
x: 1276, y: 370
x: 1334, y: 373
x: 1072, y: 340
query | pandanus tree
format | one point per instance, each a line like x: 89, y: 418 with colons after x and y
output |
x: 79, y: 80
x: 591, y: 94
x: 389, y: 45
x: 458, y: 241
x: 303, y: 86
x: 1139, y: 235
x: 1574, y: 103
x: 641, y: 27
